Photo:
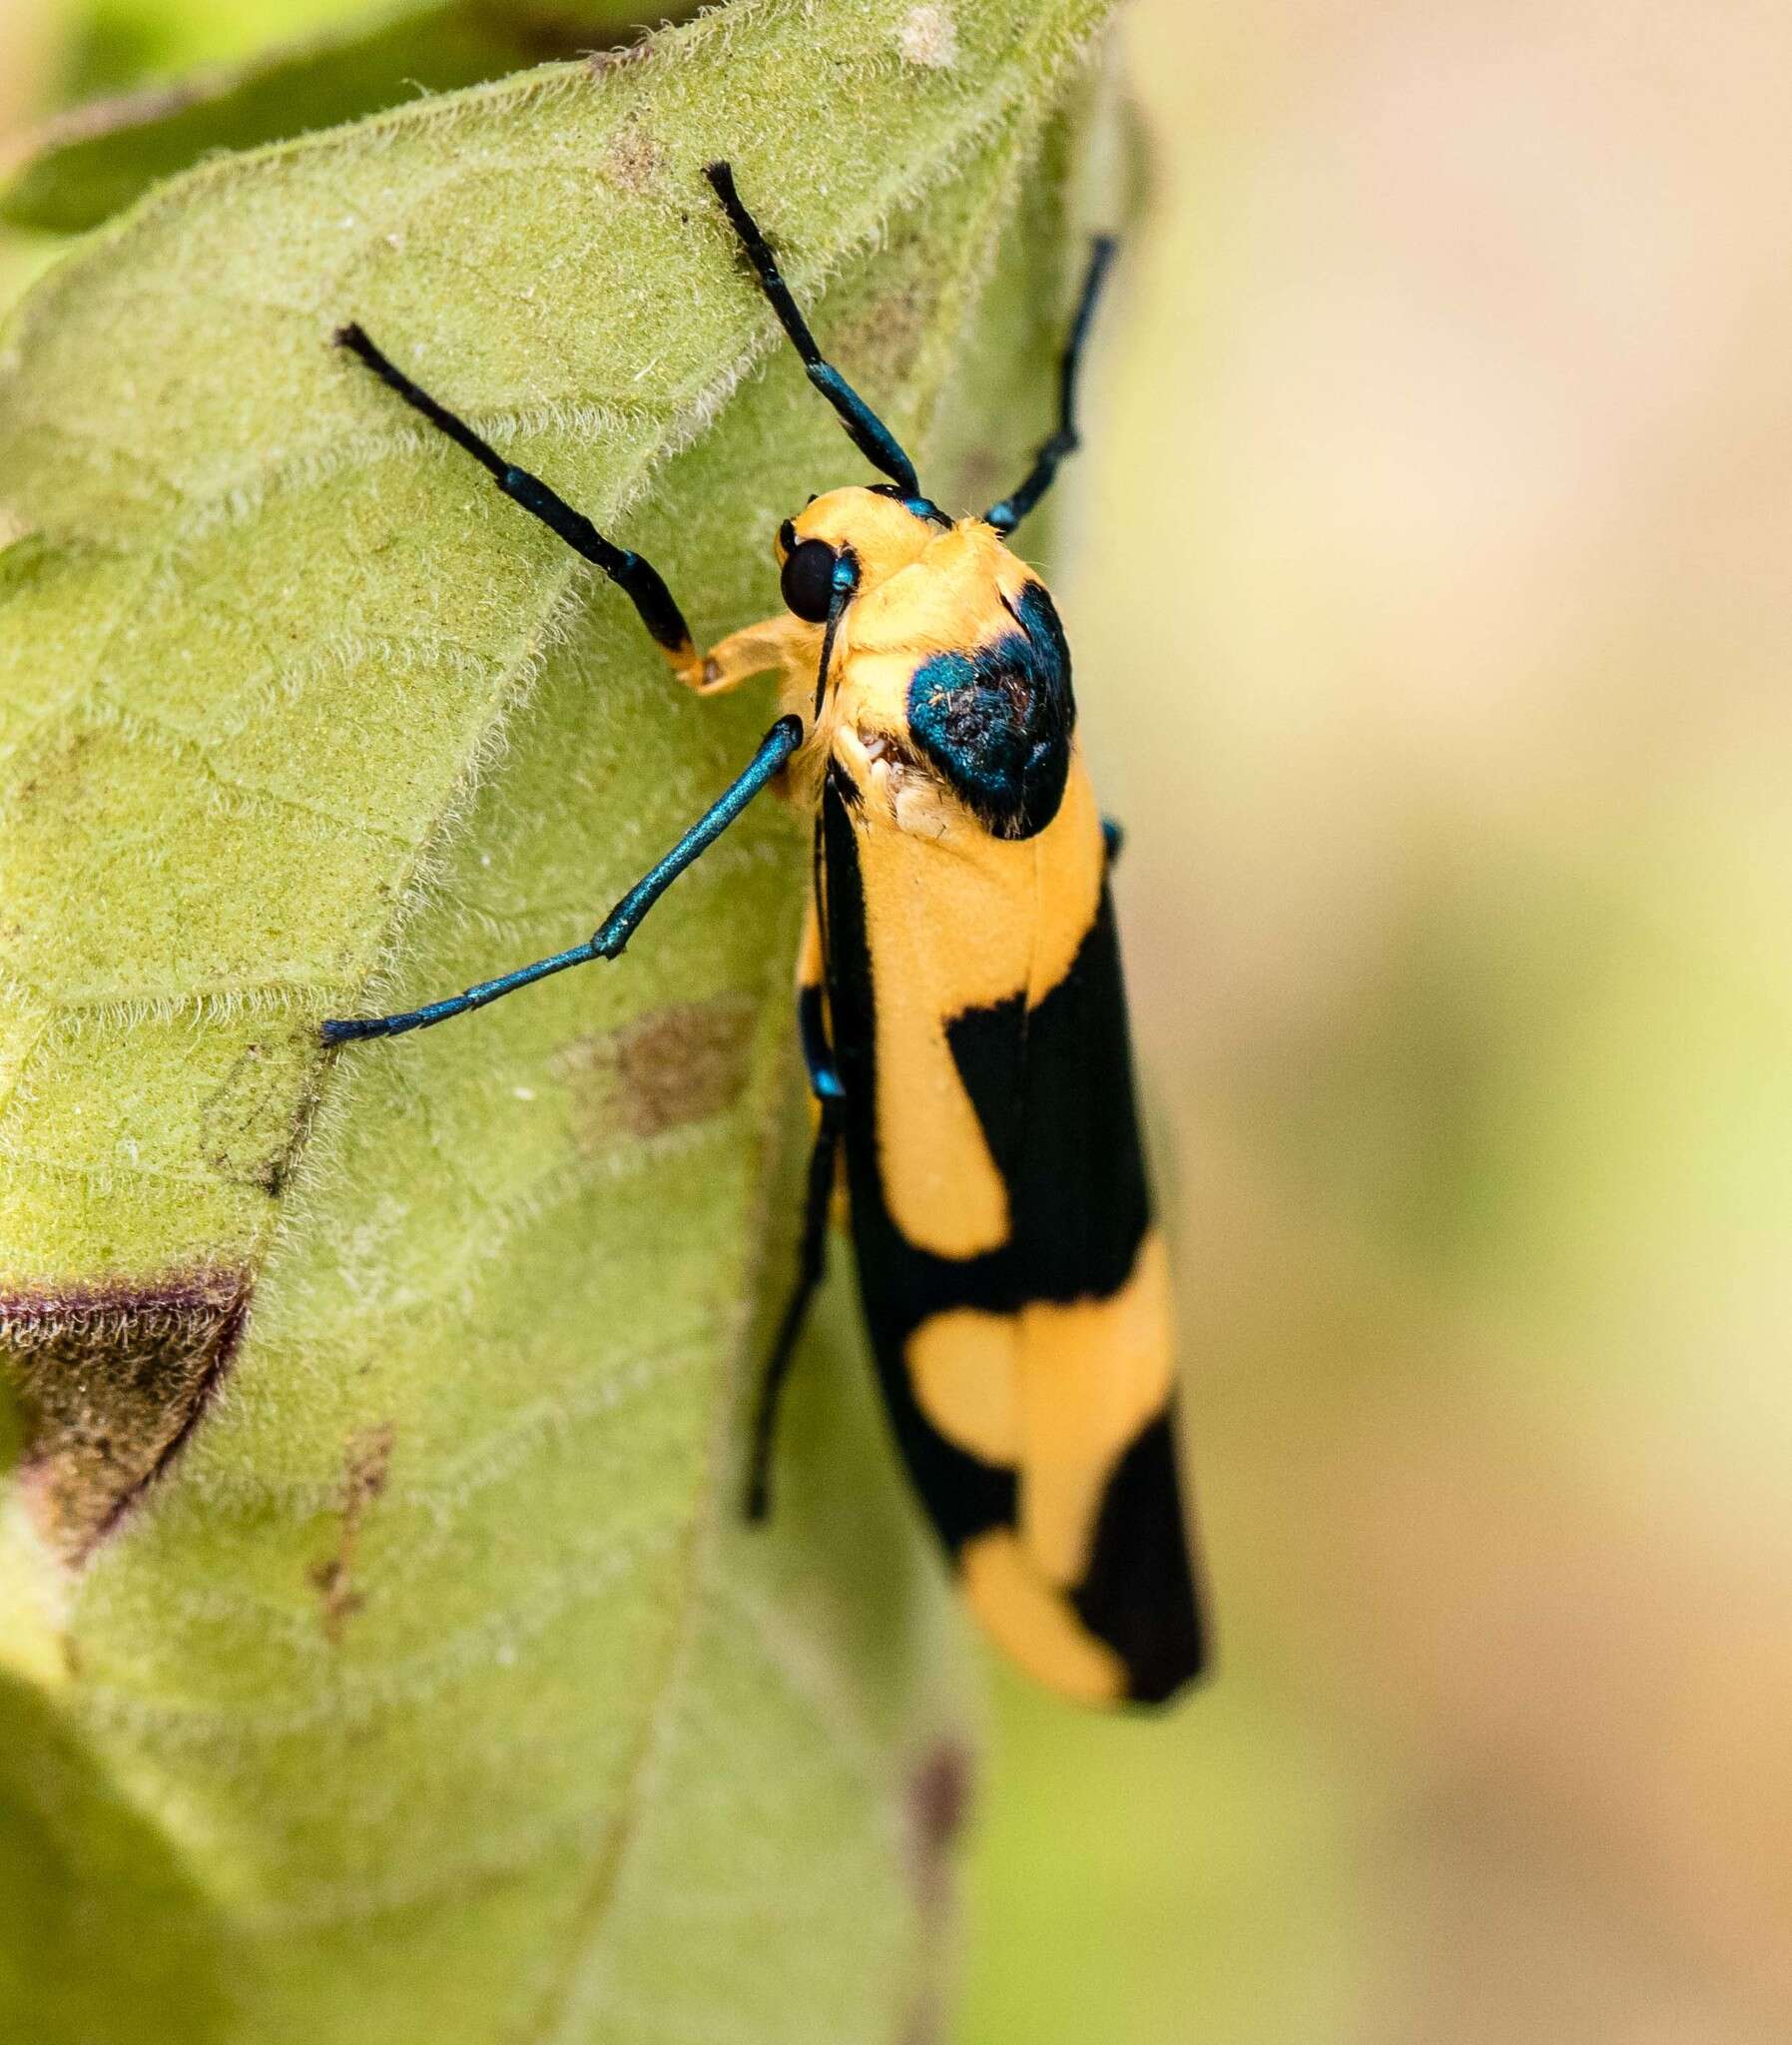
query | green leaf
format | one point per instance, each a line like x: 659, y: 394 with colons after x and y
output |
x: 88, y: 163
x: 380, y: 1652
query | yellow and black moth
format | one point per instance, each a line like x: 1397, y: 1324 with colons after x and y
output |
x: 963, y: 1023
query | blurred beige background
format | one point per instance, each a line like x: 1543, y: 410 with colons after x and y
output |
x: 1433, y: 629
x: 1430, y: 609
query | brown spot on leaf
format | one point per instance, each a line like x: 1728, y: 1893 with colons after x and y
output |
x: 938, y: 1802
x: 680, y: 1064
x: 926, y: 2021
x: 110, y: 1381
x: 61, y: 760
x: 365, y: 1472
x: 633, y: 160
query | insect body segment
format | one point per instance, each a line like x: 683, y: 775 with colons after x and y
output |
x: 963, y: 1023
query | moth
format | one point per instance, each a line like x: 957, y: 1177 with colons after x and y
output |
x: 963, y: 1023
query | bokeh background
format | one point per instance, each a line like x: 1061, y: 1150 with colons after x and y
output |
x: 1429, y: 593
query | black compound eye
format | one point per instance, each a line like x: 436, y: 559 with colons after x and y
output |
x: 807, y: 580
x: 786, y: 539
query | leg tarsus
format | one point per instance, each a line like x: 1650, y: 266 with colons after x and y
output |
x: 354, y: 1029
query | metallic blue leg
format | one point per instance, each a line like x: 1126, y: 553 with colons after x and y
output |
x: 1008, y: 513
x: 613, y: 933
x: 867, y: 433
x: 811, y: 1259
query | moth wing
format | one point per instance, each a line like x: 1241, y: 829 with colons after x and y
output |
x: 1013, y: 1285
x: 1092, y: 1586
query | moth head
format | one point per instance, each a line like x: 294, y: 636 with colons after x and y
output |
x: 881, y: 529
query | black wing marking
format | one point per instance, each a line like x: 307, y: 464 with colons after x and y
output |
x: 1054, y: 1091
x: 1138, y: 1593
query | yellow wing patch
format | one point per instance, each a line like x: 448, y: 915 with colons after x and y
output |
x: 1034, y: 1624
x: 967, y: 1367
x: 1056, y: 1392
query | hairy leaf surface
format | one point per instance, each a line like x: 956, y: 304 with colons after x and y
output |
x: 87, y: 164
x: 380, y: 1655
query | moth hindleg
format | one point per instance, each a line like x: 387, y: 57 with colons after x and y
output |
x: 811, y: 1260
